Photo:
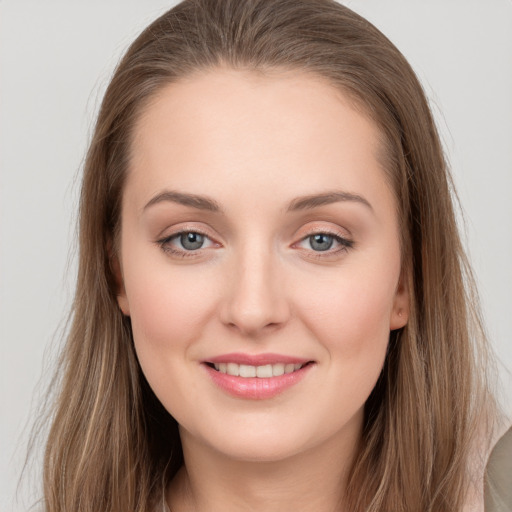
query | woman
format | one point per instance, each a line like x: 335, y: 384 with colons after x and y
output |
x: 273, y: 307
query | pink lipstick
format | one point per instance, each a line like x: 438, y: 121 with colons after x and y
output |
x: 256, y: 377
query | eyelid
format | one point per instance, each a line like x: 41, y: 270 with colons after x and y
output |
x: 314, y: 228
x: 344, y: 243
x: 165, y: 241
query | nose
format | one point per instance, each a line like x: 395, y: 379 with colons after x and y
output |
x: 255, y: 301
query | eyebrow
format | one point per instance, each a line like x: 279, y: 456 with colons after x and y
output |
x: 193, y: 200
x: 315, y: 200
x: 300, y: 203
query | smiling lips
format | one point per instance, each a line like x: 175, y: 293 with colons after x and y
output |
x: 256, y: 377
x: 262, y: 372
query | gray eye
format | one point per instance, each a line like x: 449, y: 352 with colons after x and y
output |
x: 191, y: 241
x: 321, y: 242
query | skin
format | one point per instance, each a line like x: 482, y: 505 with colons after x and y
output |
x: 253, y: 143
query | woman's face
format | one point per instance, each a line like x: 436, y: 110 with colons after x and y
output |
x: 259, y: 261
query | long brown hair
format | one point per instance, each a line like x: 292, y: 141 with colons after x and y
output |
x: 112, y: 445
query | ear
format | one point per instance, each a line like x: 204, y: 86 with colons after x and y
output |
x: 400, y: 312
x: 115, y: 266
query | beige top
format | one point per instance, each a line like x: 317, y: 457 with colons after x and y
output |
x: 498, y: 481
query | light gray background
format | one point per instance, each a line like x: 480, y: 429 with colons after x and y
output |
x: 55, y: 61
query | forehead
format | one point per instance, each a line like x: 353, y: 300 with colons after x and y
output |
x: 235, y: 128
x: 252, y: 96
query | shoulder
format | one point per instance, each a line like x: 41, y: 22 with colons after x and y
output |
x: 498, y: 478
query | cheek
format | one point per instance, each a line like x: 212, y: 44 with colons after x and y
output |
x: 167, y: 304
x: 353, y: 307
x: 168, y: 311
x: 350, y: 315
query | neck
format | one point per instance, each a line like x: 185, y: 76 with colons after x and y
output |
x: 314, y: 479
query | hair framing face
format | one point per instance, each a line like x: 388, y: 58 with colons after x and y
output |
x: 109, y: 446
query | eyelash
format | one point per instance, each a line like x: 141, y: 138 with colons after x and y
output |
x: 344, y: 244
x: 164, y: 244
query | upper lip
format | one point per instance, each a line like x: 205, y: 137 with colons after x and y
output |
x: 256, y: 359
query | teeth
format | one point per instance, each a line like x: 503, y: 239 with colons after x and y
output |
x: 247, y: 371
x: 277, y: 369
x: 263, y: 372
x: 233, y: 369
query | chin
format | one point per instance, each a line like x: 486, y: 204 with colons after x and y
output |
x: 262, y: 449
x: 265, y: 440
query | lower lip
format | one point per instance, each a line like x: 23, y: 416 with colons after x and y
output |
x: 255, y: 388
